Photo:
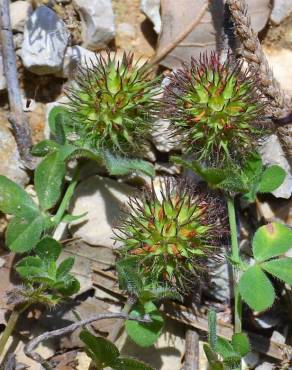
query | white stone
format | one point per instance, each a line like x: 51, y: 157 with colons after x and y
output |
x: 102, y: 199
x: 45, y: 42
x: 126, y: 29
x: 3, y: 84
x: 151, y: 8
x: 76, y: 56
x: 250, y: 361
x: 278, y: 337
x: 265, y: 366
x: 272, y: 153
x: 97, y: 20
x: 161, y: 136
x: 280, y: 62
x: 19, y: 13
x: 10, y: 162
x: 281, y: 10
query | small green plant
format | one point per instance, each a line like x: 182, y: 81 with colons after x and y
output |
x: 250, y: 179
x: 105, y: 354
x: 52, y: 282
x: 171, y: 238
x: 143, y: 300
x: 222, y: 354
x: 269, y: 243
x: 216, y: 109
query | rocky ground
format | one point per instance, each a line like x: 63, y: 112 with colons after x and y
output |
x: 52, y: 38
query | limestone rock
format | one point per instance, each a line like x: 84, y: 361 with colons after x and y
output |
x: 272, y: 153
x: 280, y: 62
x: 45, y: 42
x: 97, y: 18
x: 250, y: 361
x: 76, y: 56
x: 281, y: 10
x: 161, y: 137
x: 19, y: 12
x: 151, y: 8
x: 10, y: 163
x: 102, y: 199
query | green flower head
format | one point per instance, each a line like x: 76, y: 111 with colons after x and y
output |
x: 171, y: 235
x: 216, y: 108
x: 113, y: 105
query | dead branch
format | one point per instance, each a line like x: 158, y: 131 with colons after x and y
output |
x: 180, y: 37
x: 192, y: 350
x: 31, y: 345
x: 19, y: 123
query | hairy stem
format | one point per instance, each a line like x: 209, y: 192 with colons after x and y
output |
x: 11, y: 325
x: 235, y: 257
x: 67, y: 197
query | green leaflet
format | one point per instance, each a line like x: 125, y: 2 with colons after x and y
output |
x: 102, y: 351
x: 119, y: 166
x: 256, y: 289
x: 48, y: 179
x: 44, y: 147
x: 15, y: 201
x: 145, y: 334
x: 271, y: 240
x: 280, y: 268
x: 48, y: 249
x: 240, y: 343
x: 58, y: 121
x: 271, y: 179
x: 22, y: 235
x: 105, y: 354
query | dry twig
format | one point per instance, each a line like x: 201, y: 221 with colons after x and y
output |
x: 192, y: 350
x: 31, y: 345
x: 17, y: 118
x: 253, y: 53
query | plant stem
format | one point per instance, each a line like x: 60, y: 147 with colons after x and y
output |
x: 235, y: 257
x: 11, y: 325
x: 67, y: 197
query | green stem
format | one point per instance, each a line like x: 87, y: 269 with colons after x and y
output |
x: 11, y: 325
x: 67, y: 197
x: 235, y: 257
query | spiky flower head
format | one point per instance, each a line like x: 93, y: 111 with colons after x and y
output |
x: 171, y: 235
x: 216, y: 108
x: 113, y: 104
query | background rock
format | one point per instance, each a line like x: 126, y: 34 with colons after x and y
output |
x: 75, y: 56
x: 151, y: 8
x: 10, y: 163
x: 19, y: 12
x: 45, y: 41
x: 272, y: 153
x: 97, y: 19
x: 102, y: 199
x: 281, y: 10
